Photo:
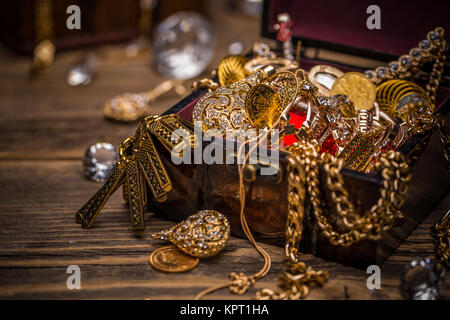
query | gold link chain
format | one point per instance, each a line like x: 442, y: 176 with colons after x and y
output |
x: 395, y: 176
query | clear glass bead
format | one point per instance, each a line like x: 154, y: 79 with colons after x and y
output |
x: 423, y: 280
x: 183, y: 45
x: 99, y: 160
x: 425, y: 44
x: 393, y: 66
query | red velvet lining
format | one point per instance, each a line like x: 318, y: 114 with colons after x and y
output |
x: 186, y: 112
x: 403, y: 22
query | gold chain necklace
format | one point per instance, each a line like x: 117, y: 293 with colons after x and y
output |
x: 303, y: 175
x: 303, y: 178
x: 239, y: 282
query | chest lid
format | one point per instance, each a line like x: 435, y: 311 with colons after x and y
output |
x: 342, y: 26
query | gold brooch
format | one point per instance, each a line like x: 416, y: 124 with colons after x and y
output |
x: 202, y: 235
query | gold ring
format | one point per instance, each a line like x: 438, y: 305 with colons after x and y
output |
x: 280, y: 64
x: 322, y: 77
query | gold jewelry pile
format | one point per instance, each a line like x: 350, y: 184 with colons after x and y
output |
x: 326, y: 118
x: 353, y: 116
x: 347, y: 120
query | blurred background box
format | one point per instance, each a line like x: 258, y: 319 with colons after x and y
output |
x: 23, y: 23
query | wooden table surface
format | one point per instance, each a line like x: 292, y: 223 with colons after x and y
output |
x: 45, y: 128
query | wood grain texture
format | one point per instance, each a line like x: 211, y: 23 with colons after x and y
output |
x: 39, y: 239
x: 44, y: 130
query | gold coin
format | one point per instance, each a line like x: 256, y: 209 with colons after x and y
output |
x: 170, y: 259
x: 357, y: 87
x: 231, y: 69
x: 262, y: 106
x: 400, y: 98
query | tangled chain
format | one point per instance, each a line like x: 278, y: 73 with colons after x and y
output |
x: 295, y: 283
x: 240, y: 283
x: 303, y: 168
x: 441, y: 238
x: 395, y: 176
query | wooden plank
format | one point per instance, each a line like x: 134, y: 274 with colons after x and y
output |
x: 39, y: 239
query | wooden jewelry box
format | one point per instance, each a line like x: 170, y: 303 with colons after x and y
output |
x: 216, y: 186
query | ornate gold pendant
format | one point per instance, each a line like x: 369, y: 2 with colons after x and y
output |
x: 224, y: 108
x: 262, y: 106
x: 202, y: 235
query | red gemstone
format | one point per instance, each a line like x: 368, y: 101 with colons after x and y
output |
x: 296, y: 118
x: 329, y: 145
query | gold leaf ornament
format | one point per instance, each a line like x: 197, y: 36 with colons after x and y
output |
x: 263, y: 106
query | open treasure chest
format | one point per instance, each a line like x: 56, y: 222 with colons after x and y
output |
x: 339, y: 160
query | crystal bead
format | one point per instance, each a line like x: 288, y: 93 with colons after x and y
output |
x: 381, y: 72
x: 183, y: 45
x: 406, y: 61
x: 393, y: 66
x: 235, y: 48
x: 416, y: 53
x: 434, y: 35
x: 369, y: 74
x: 83, y: 72
x: 99, y: 160
x: 422, y: 280
x: 425, y: 44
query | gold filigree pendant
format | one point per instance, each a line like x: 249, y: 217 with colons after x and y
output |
x: 202, y: 235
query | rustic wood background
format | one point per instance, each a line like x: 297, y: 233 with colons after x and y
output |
x: 46, y: 126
